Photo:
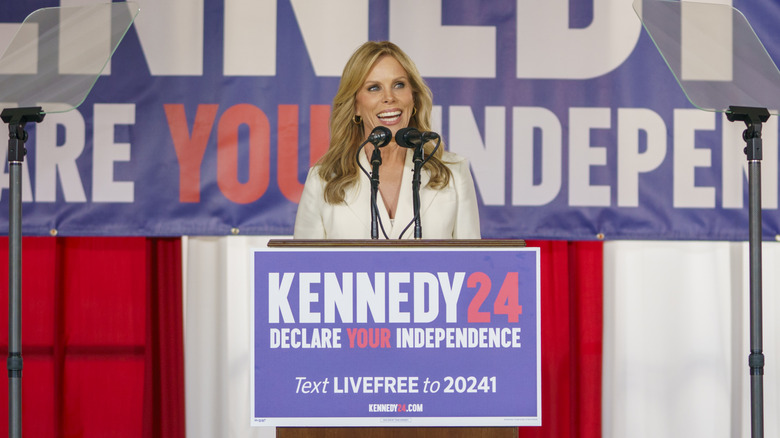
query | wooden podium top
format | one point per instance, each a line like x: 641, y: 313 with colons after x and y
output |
x: 396, y: 432
x: 403, y: 243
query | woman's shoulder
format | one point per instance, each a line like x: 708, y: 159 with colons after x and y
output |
x: 315, y: 170
x: 314, y: 178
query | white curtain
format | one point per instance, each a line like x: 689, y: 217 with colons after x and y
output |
x: 675, y: 338
x: 217, y: 337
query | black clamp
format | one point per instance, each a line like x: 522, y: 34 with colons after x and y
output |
x: 15, y: 365
x: 753, y: 118
x: 756, y: 363
x: 17, y: 118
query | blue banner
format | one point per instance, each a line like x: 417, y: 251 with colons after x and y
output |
x: 211, y: 113
x: 396, y: 337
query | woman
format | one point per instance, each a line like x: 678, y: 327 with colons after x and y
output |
x: 380, y: 86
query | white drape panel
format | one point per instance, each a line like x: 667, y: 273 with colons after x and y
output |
x: 217, y: 337
x: 676, y: 339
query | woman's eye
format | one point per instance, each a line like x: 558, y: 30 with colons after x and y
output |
x: 400, y: 85
x: 373, y: 88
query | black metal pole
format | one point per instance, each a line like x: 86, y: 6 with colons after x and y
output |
x: 418, y: 162
x: 753, y: 118
x: 756, y: 358
x: 16, y: 118
x: 376, y: 161
x: 15, y: 288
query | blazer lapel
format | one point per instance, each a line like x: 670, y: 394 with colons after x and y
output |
x: 359, y: 200
x: 405, y: 212
x: 358, y: 197
x: 361, y: 203
x: 427, y: 195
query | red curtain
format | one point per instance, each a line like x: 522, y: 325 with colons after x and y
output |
x: 101, y: 337
x: 103, y: 349
x: 571, y: 301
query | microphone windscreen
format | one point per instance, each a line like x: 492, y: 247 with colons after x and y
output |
x: 380, y: 136
x: 408, y: 137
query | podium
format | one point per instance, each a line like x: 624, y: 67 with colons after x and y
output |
x: 459, y: 426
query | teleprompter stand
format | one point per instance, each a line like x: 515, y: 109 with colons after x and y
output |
x: 41, y: 65
x: 722, y: 66
x: 753, y: 118
x: 16, y: 118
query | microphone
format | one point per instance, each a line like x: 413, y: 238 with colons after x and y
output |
x: 408, y: 137
x: 411, y: 138
x: 429, y: 135
x: 380, y: 136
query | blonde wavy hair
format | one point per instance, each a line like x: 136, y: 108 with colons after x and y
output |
x: 338, y: 167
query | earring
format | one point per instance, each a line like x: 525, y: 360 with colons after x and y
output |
x: 356, y: 119
x: 414, y: 110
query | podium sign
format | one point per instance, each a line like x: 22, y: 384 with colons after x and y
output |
x: 396, y: 337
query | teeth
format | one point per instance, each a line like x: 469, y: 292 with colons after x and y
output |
x: 389, y: 114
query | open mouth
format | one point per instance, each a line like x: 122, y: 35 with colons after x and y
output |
x: 389, y: 117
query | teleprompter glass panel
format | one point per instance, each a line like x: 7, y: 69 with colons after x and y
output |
x: 713, y: 53
x: 57, y: 54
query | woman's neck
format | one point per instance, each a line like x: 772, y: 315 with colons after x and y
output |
x: 391, y: 154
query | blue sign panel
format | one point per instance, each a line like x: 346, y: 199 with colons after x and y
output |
x: 395, y: 337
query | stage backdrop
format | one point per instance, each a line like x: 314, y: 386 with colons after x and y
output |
x: 211, y: 112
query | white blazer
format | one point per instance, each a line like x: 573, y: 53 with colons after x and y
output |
x: 448, y: 213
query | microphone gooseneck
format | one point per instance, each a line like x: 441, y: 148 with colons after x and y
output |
x: 410, y: 138
x: 379, y: 137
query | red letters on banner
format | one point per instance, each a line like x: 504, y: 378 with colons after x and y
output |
x: 191, y: 144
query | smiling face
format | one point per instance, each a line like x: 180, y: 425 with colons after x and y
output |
x: 386, y: 97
